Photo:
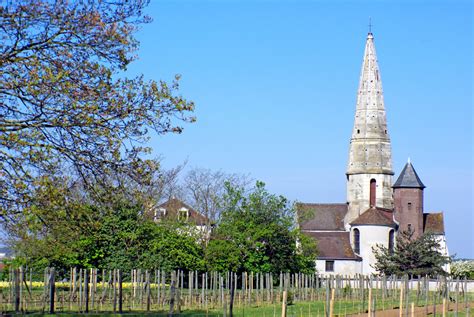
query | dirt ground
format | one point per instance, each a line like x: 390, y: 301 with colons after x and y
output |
x: 419, y: 311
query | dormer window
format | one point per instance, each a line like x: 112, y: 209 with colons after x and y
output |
x: 159, y: 214
x: 183, y: 214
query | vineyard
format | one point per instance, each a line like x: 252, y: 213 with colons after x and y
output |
x: 213, y: 294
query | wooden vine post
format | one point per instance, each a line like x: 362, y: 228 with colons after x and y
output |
x: 283, y: 303
x: 120, y: 293
x: 52, y: 289
x: 401, y: 302
x: 172, y: 293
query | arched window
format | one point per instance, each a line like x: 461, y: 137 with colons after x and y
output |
x: 391, y: 241
x: 356, y: 233
x: 373, y: 186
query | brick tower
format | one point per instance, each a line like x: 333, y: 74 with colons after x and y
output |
x: 408, y: 199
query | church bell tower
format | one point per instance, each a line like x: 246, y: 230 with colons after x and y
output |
x: 369, y: 170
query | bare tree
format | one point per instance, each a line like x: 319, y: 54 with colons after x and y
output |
x: 204, y: 189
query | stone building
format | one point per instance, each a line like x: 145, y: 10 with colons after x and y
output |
x: 376, y: 208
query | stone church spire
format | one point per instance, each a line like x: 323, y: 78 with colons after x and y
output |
x: 369, y: 170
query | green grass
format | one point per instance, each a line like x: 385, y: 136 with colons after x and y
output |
x: 346, y: 303
x: 299, y: 309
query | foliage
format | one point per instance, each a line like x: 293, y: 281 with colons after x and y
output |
x: 65, y: 227
x: 222, y: 256
x: 414, y: 257
x: 66, y: 106
x: 257, y: 233
x: 102, y: 236
x: 463, y: 269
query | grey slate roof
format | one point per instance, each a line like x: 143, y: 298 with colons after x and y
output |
x: 326, y: 217
x: 408, y: 178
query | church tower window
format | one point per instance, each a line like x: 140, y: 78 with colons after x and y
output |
x: 356, y: 241
x: 373, y: 186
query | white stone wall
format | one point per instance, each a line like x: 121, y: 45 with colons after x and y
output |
x: 370, y: 236
x: 433, y: 285
x: 441, y: 238
x: 358, y: 194
x: 345, y: 267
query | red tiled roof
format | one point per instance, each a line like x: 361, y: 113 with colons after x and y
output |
x: 376, y: 216
x: 173, y: 205
x: 333, y: 245
x: 327, y: 217
x: 433, y: 223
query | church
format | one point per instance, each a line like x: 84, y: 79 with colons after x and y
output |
x: 377, y: 208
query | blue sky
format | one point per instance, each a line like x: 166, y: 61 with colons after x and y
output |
x: 275, y: 83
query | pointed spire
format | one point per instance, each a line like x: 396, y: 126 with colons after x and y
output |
x: 408, y: 178
x: 370, y: 142
x: 370, y: 153
x: 370, y: 85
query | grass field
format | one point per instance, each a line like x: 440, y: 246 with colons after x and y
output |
x: 299, y: 309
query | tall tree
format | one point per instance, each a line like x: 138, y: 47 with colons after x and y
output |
x: 66, y: 105
x: 257, y: 233
x: 415, y: 257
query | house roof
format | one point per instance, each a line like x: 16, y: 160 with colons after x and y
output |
x: 433, y: 223
x: 376, y: 216
x: 327, y: 217
x: 408, y: 178
x: 173, y: 205
x: 333, y: 245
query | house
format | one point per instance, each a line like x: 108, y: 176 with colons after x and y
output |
x: 175, y: 209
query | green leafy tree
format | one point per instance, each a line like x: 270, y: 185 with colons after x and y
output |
x: 129, y: 240
x: 414, y: 257
x: 222, y: 255
x: 66, y: 105
x: 64, y: 231
x: 257, y: 233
